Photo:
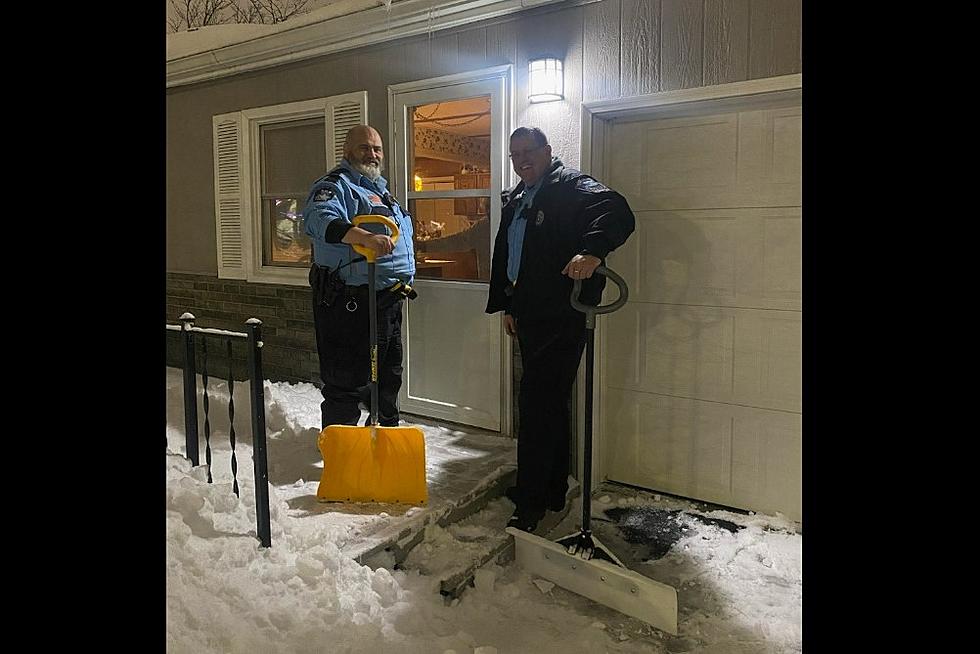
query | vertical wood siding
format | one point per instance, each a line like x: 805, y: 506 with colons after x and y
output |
x: 682, y: 38
x: 473, y: 49
x: 640, y: 47
x: 501, y: 44
x: 775, y: 33
x: 445, y: 54
x: 726, y: 41
x: 601, y: 51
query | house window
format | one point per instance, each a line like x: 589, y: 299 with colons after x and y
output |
x: 292, y: 157
x: 265, y: 161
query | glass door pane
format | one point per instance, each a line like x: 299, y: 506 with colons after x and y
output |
x: 450, y: 198
x: 449, y: 245
x: 292, y: 157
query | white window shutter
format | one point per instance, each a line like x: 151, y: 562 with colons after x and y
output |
x: 341, y: 113
x: 228, y: 197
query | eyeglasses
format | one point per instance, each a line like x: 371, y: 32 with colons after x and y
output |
x: 524, y: 153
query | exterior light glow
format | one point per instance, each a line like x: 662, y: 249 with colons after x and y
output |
x: 546, y: 82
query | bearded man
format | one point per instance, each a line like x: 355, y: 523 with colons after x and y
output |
x: 338, y: 278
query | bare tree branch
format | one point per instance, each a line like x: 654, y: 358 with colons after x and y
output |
x: 246, y: 12
x: 187, y: 14
x: 275, y: 11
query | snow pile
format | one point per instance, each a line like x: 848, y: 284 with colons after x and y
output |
x: 226, y: 594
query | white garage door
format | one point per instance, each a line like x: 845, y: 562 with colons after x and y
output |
x: 702, y: 392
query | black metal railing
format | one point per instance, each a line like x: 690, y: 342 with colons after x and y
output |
x: 253, y: 337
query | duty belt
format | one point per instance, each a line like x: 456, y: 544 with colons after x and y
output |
x: 385, y: 297
x: 399, y: 288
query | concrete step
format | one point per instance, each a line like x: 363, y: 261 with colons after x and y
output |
x: 391, y: 545
x: 500, y: 549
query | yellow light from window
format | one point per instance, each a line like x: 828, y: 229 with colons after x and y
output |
x: 418, y: 183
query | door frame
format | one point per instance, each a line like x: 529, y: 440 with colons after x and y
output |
x: 596, y: 123
x: 399, y: 181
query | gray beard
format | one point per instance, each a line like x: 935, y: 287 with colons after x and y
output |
x: 371, y: 172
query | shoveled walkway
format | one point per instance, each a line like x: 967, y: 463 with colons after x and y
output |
x: 465, y: 468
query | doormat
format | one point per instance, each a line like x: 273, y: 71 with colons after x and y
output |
x: 656, y: 530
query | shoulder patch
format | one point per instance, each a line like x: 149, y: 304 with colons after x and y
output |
x: 324, y: 194
x: 589, y: 185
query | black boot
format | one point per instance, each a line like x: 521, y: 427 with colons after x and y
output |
x: 526, y: 519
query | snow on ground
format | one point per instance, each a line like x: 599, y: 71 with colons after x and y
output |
x: 738, y: 576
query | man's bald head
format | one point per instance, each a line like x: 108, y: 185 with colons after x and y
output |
x: 363, y: 150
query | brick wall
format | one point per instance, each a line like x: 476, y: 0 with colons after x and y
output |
x: 289, y: 345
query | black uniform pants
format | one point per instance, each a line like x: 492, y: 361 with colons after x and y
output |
x: 550, y: 355
x: 343, y: 346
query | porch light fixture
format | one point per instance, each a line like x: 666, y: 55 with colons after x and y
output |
x: 546, y: 82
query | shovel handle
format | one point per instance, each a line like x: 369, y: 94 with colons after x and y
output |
x: 369, y: 253
x: 591, y: 312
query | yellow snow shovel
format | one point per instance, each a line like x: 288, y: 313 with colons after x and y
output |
x: 579, y: 562
x: 372, y: 463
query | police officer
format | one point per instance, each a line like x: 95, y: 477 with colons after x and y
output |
x: 339, y: 280
x: 557, y: 225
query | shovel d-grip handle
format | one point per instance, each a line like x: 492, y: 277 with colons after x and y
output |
x: 591, y: 312
x: 369, y: 253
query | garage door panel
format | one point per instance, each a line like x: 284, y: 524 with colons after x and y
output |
x: 770, y: 269
x: 671, y: 444
x: 689, y: 257
x: 674, y: 350
x: 732, y: 160
x: 628, y: 261
x: 787, y: 145
x: 749, y: 258
x: 767, y: 455
x: 736, y: 456
x: 770, y: 165
x: 690, y: 153
x: 769, y: 360
x: 626, y: 148
x: 701, y: 391
x: 689, y: 163
x: 738, y: 356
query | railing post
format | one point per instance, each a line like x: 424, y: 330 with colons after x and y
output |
x: 190, y: 390
x: 259, y: 461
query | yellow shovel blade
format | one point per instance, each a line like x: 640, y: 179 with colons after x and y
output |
x: 388, y: 467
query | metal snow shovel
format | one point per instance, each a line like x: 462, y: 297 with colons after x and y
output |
x: 579, y: 562
x: 372, y: 463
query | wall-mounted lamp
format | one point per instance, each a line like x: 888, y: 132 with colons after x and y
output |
x: 546, y: 82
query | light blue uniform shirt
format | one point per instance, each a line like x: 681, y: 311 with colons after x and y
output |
x: 343, y: 198
x: 515, y: 233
